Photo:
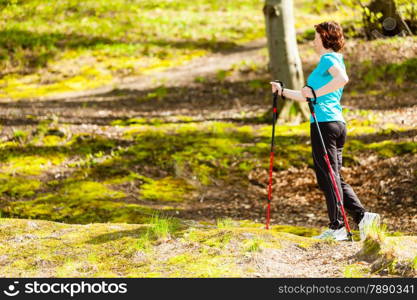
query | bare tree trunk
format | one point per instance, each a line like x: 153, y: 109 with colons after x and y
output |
x: 285, y: 62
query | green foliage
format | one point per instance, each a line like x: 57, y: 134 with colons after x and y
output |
x: 163, y: 227
x: 307, y: 35
x: 221, y: 75
x: 159, y: 93
x: 20, y: 135
x: 158, y: 228
x: 246, y: 66
x: 352, y: 29
x: 323, y: 5
x: 399, y: 72
x: 200, y: 79
x: 224, y: 223
x: 254, y: 245
x: 256, y: 84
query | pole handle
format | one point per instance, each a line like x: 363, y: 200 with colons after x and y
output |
x: 275, y: 101
x: 310, y: 103
x: 282, y: 86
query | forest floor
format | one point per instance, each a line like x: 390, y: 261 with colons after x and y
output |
x: 191, y: 142
x: 37, y: 248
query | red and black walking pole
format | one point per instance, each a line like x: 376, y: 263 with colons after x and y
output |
x: 326, y: 158
x: 271, y: 157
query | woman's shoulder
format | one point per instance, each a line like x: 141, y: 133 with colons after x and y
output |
x: 332, y: 57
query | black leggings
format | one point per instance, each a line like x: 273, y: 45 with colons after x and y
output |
x: 334, y: 136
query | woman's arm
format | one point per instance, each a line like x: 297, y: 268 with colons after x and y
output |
x: 292, y: 94
x: 339, y: 80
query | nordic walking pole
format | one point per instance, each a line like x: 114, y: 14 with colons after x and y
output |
x: 271, y: 157
x: 326, y: 158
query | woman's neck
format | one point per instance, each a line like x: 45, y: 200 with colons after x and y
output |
x: 324, y: 51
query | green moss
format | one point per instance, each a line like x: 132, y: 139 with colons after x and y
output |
x: 360, y: 127
x: 225, y: 223
x: 181, y: 259
x: 384, y: 149
x: 302, y: 129
x: 218, y: 239
x: 390, y: 148
x: 43, y: 248
x: 69, y: 267
x: 89, y: 190
x: 86, y: 144
x: 414, y: 263
x: 52, y: 140
x: 131, y: 121
x: 238, y: 233
x: 88, y: 78
x: 253, y: 245
x: 31, y: 164
x: 297, y: 230
x: 249, y: 224
x: 80, y: 202
x: 355, y: 271
x: 166, y: 189
x: 202, y: 266
x: 17, y: 186
x: 199, y: 152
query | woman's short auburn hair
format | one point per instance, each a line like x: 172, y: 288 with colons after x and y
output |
x: 331, y: 34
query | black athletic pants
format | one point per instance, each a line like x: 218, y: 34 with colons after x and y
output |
x: 334, y: 136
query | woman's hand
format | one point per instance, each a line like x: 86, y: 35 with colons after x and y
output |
x: 276, y: 87
x: 306, y: 92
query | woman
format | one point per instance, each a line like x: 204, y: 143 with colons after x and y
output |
x: 328, y: 80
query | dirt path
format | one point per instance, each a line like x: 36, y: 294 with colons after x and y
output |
x: 183, y: 75
x: 320, y: 260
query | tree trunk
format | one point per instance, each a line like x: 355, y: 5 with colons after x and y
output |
x: 382, y: 19
x: 284, y: 60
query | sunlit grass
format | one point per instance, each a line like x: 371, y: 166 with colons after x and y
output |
x: 57, y: 47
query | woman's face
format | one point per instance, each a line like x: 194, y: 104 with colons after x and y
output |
x: 318, y: 44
